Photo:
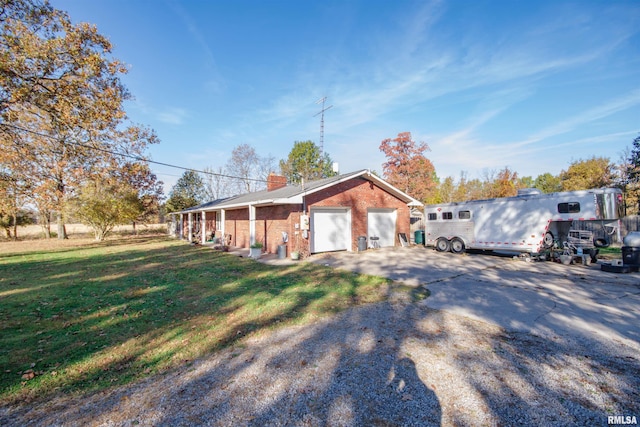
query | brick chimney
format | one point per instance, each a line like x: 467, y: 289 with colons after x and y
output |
x: 276, y: 181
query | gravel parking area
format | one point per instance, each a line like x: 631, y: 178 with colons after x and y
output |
x: 404, y: 362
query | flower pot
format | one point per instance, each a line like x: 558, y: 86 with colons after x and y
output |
x: 566, y: 259
x: 255, y: 252
x: 295, y: 255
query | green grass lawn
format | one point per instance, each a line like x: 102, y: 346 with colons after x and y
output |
x: 86, y: 316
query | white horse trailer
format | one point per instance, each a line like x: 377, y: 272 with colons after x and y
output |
x: 530, y: 222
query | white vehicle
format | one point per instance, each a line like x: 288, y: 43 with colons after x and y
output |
x: 530, y: 222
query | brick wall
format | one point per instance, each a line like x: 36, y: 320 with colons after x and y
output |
x: 271, y: 221
x: 236, y: 223
x: 361, y: 195
x: 357, y: 194
x: 210, y: 221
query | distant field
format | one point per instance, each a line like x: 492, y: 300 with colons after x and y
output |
x: 81, y: 230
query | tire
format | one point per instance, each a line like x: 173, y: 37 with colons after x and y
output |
x: 548, y: 240
x: 601, y: 243
x: 457, y: 245
x: 442, y: 245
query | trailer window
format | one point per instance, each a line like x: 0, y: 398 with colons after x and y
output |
x: 464, y: 215
x: 570, y: 207
x: 433, y: 216
x: 447, y: 215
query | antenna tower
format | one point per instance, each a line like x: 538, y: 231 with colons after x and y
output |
x: 321, y: 112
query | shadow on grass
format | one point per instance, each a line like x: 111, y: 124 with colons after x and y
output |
x: 85, y: 319
x: 378, y: 364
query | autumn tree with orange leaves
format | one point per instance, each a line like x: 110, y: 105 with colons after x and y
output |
x: 62, y: 122
x: 407, y: 168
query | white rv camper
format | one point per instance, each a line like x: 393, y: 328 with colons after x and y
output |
x: 530, y: 222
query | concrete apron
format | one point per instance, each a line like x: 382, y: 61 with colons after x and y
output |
x: 543, y: 298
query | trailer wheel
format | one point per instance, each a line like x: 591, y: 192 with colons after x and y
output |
x: 547, y: 241
x: 457, y: 245
x: 442, y: 245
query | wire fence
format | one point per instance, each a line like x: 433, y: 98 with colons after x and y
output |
x: 627, y: 224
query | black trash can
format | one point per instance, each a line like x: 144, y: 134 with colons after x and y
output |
x: 282, y: 251
x: 631, y: 256
x: 419, y: 237
x: 362, y: 243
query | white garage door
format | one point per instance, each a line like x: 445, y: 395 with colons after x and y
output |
x: 381, y: 223
x: 330, y: 229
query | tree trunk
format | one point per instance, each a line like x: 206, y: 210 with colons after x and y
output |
x: 46, y: 228
x: 135, y: 232
x: 15, y: 227
x: 62, y: 231
x: 45, y: 223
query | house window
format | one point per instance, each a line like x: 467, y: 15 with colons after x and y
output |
x: 447, y: 215
x: 433, y: 216
x: 570, y: 207
x: 464, y: 215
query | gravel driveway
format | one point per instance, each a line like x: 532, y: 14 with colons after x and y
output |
x: 439, y: 361
x: 542, y: 298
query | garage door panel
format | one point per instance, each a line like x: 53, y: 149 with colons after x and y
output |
x: 381, y: 223
x: 331, y: 230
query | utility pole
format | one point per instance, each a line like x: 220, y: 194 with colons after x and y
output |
x: 321, y: 113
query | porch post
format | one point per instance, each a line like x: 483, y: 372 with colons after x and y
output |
x: 252, y: 224
x: 180, y: 226
x: 221, y: 225
x: 203, y: 227
x: 190, y: 227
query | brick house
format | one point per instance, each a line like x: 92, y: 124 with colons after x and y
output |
x: 321, y: 216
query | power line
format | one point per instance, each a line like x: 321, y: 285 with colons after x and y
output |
x: 130, y: 156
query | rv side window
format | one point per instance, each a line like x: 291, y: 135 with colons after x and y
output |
x: 464, y: 215
x: 447, y: 215
x: 433, y: 216
x: 570, y: 207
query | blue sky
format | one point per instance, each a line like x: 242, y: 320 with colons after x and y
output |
x: 529, y: 85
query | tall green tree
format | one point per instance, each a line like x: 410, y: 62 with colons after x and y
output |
x: 631, y: 175
x: 548, y: 183
x: 634, y: 160
x: 188, y: 191
x: 407, y: 168
x: 306, y: 163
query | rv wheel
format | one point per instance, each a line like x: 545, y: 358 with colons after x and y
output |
x: 457, y: 245
x: 547, y: 242
x: 442, y: 244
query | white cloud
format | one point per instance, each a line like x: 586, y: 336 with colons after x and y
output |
x: 172, y: 116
